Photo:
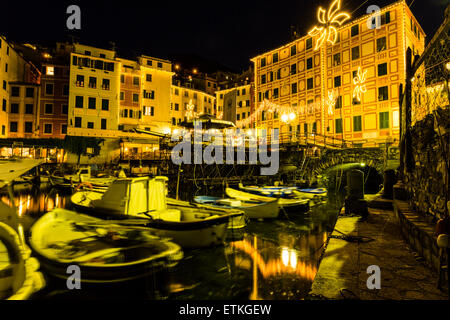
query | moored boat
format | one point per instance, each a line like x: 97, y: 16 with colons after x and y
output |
x: 292, y: 203
x: 253, y: 209
x: 104, y: 251
x: 189, y: 226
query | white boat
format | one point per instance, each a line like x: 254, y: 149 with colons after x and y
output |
x: 83, y: 175
x: 293, y: 204
x: 253, y: 209
x: 145, y: 198
x: 19, y: 275
x: 315, y: 194
x: 104, y: 251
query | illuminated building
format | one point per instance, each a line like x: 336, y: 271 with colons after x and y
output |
x: 303, y: 74
x: 184, y: 99
x: 235, y: 104
x: 23, y: 110
x: 93, y: 92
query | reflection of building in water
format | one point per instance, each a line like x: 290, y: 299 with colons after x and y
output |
x: 270, y: 260
x: 25, y: 203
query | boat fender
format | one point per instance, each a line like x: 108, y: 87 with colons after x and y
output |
x: 84, y: 184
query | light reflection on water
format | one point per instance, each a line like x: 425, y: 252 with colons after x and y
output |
x: 274, y: 259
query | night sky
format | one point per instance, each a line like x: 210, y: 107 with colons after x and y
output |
x: 228, y: 32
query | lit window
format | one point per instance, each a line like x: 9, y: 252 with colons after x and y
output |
x: 50, y: 71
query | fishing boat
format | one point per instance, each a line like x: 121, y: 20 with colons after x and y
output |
x: 315, y: 194
x: 253, y: 209
x: 145, y: 198
x: 288, y: 203
x: 19, y: 275
x: 103, y: 250
x: 83, y: 175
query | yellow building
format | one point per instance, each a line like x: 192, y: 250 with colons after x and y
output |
x: 94, y: 88
x: 187, y: 103
x: 234, y: 104
x: 347, y: 87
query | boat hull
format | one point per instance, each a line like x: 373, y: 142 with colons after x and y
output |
x: 55, y: 228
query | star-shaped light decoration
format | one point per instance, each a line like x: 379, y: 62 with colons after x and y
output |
x: 190, y: 113
x: 331, y: 102
x: 359, y: 81
x: 329, y: 21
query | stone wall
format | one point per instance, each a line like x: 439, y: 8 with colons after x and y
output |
x: 426, y: 179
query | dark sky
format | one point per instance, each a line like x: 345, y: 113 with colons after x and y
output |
x: 229, y: 32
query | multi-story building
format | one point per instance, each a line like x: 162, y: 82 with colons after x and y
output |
x: 349, y: 88
x: 23, y: 110
x: 13, y: 68
x: 235, y: 104
x: 188, y: 103
x: 130, y: 111
x: 156, y: 82
x: 54, y: 99
x: 94, y: 92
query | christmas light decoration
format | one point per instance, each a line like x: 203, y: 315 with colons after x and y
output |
x: 329, y: 22
x: 331, y: 102
x: 359, y: 81
x: 190, y: 113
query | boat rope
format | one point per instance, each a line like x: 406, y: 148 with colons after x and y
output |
x: 349, y: 238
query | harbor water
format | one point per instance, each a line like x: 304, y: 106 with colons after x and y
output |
x: 270, y: 259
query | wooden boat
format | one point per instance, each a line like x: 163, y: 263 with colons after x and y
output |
x: 84, y: 175
x: 19, y: 275
x: 293, y: 203
x: 104, y: 251
x: 189, y: 226
x: 316, y: 194
x: 253, y: 209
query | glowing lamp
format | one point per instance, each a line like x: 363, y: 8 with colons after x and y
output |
x: 284, y: 118
x: 291, y: 116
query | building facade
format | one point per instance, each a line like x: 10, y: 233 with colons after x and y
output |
x: 235, y: 104
x: 348, y: 89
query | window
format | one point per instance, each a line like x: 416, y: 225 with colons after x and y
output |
x: 88, y: 53
x: 275, y: 93
x: 65, y: 90
x: 336, y: 59
x: 308, y: 43
x: 103, y: 124
x: 79, y: 102
x: 91, y: 103
x: 92, y: 82
x: 314, y: 128
x: 149, y: 62
x: 64, y: 129
x: 50, y: 71
x: 386, y: 18
x: 148, y: 77
x: 136, y: 81
x: 3, y: 130
x: 77, y: 122
x: 49, y: 89
x: 90, y: 125
x: 305, y: 129
x: 338, y: 123
x: 48, y: 108
x: 13, y: 126
x: 135, y: 97
x: 177, y: 106
x: 48, y: 128
x: 355, y: 30
x: 105, y: 104
x: 14, y: 108
x: 64, y: 109
x: 357, y: 123
x: 294, y: 68
x: 355, y: 53
x: 294, y: 87
x: 309, y: 63
x: 243, y: 92
x: 263, y: 79
x: 105, y: 84
x: 29, y: 92
x: 160, y: 65
x: 309, y: 83
x: 122, y: 95
x: 263, y: 62
x: 4, y: 84
x: 279, y: 74
x: 29, y: 108
x: 381, y: 44
x: 337, y: 81
x: 4, y: 105
x: 122, y: 78
x: 238, y: 117
x: 125, y: 113
x: 275, y: 57
x: 338, y: 104
x: 383, y: 93
x: 28, y: 127
x: 384, y: 120
x: 382, y: 69
x: 80, y: 81
x: 177, y: 93
x: 15, y: 91
x: 293, y: 50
